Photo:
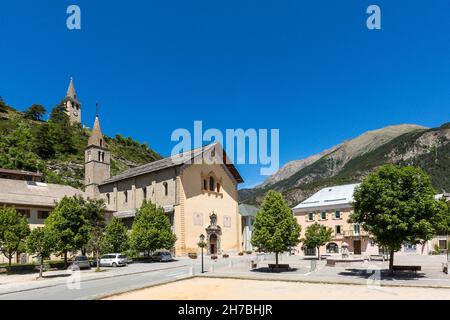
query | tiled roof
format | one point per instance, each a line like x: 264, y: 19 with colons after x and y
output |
x: 19, y: 192
x: 176, y: 160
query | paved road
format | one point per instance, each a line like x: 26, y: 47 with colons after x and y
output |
x: 125, y: 279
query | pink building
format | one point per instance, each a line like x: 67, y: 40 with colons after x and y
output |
x: 332, y: 207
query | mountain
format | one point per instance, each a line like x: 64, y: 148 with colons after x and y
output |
x: 57, y: 149
x: 352, y: 160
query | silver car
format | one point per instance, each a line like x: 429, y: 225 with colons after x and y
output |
x: 113, y: 260
x: 82, y: 262
x: 162, y: 256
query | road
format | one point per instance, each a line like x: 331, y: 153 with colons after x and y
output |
x: 116, y: 281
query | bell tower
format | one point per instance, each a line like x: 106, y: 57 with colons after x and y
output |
x: 73, y: 106
x: 97, y: 161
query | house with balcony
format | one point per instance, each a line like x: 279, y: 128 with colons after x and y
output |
x: 332, y: 207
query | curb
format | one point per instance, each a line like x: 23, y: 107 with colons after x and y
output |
x: 88, y: 280
x: 329, y: 282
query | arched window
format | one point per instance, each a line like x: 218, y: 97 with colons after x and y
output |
x: 205, y: 185
x: 218, y: 187
x: 101, y: 142
x: 166, y: 189
x: 108, y: 198
x: 125, y: 193
x: 103, y: 157
x: 144, y: 191
x: 211, y: 184
x: 99, y: 156
x: 332, y: 248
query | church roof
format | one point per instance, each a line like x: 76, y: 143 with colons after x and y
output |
x: 176, y: 160
x: 31, y: 193
x: 71, y: 93
x: 96, y: 137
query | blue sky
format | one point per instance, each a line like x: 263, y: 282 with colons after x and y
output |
x: 309, y: 68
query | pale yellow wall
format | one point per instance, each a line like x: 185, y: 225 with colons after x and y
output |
x: 193, y: 200
x: 154, y: 182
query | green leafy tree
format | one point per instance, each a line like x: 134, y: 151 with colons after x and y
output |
x: 116, y: 238
x: 275, y: 228
x: 35, y: 112
x: 41, y: 242
x: 397, y: 205
x: 151, y: 230
x: 94, y: 212
x: 317, y: 235
x: 43, y: 142
x: 69, y: 224
x: 13, y: 233
x: 16, y: 148
x: 61, y: 132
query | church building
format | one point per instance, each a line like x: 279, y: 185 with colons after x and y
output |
x: 197, y: 190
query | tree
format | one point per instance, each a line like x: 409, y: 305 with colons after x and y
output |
x: 43, y: 143
x: 41, y: 242
x: 397, y: 205
x: 275, y: 228
x: 35, y: 112
x: 94, y: 212
x: 13, y: 233
x: 61, y: 131
x: 70, y: 226
x: 151, y: 230
x: 317, y: 235
x: 16, y: 149
x: 116, y: 237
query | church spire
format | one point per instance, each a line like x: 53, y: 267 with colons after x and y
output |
x: 96, y: 138
x: 71, y: 90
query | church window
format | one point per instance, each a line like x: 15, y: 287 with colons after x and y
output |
x: 101, y: 142
x: 99, y: 156
x: 103, y: 157
x: 218, y: 187
x: 166, y: 189
x: 205, y: 185
x: 108, y: 198
x: 144, y: 191
x: 211, y: 184
x: 125, y: 193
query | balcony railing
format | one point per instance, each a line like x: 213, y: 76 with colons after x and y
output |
x: 354, y: 233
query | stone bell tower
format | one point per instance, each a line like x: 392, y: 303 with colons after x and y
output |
x: 73, y: 106
x: 97, y: 161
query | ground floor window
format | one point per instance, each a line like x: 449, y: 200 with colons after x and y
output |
x: 310, y: 251
x: 410, y: 247
x: 332, y: 248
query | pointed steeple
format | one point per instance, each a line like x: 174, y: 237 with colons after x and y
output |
x: 96, y: 138
x: 71, y: 90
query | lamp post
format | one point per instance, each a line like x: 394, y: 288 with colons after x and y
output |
x: 202, y: 244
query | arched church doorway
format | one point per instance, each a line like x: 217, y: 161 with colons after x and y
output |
x: 213, y: 244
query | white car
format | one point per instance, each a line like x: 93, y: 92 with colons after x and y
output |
x: 113, y: 260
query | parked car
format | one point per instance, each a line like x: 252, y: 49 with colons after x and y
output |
x: 113, y: 260
x: 161, y: 256
x: 81, y: 262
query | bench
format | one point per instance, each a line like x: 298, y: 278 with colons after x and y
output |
x: 407, y: 268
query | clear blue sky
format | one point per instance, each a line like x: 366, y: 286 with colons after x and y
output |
x: 310, y: 68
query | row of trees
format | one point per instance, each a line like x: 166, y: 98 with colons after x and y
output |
x: 78, y: 225
x: 395, y: 204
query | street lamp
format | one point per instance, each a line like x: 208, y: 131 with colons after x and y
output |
x: 202, y: 244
